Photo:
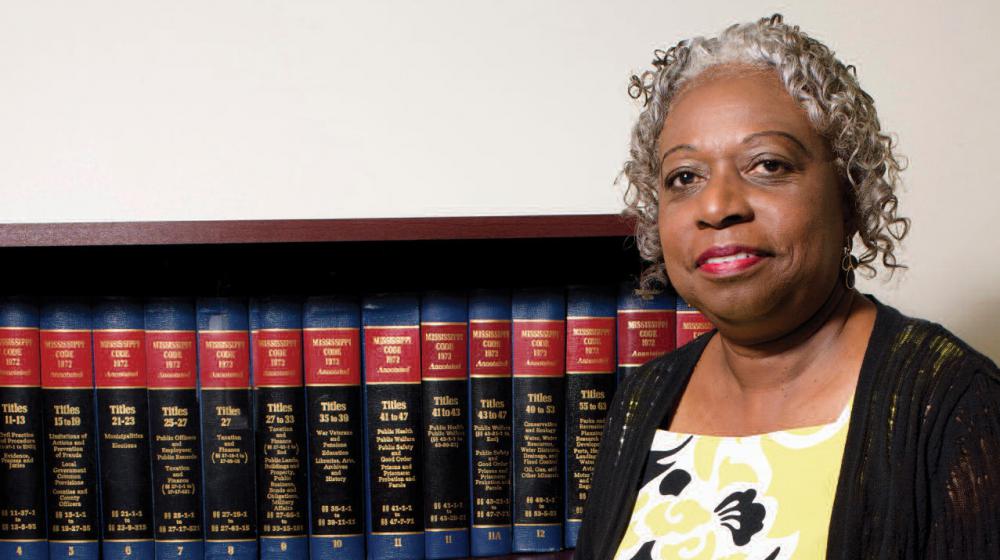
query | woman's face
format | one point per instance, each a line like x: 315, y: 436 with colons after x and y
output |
x: 751, y: 212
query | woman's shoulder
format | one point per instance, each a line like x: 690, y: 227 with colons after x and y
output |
x: 927, y: 349
x: 921, y: 375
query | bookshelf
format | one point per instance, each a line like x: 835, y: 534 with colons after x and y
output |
x: 313, y: 257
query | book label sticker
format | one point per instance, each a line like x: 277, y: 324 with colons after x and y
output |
x: 541, y: 348
x: 644, y: 334
x: 489, y: 348
x: 119, y: 358
x: 392, y: 354
x: 171, y: 359
x: 691, y: 325
x: 590, y: 345
x: 278, y: 358
x: 444, y: 350
x: 19, y: 363
x: 332, y: 356
x: 224, y: 358
x: 66, y: 359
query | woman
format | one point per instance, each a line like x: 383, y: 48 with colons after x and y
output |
x: 814, y: 421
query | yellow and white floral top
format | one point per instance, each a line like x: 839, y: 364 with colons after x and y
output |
x: 761, y: 497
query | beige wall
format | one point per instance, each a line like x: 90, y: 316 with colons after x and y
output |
x: 228, y: 110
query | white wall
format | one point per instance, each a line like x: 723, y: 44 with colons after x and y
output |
x: 141, y: 110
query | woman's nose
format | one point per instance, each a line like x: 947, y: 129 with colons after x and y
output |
x: 723, y: 201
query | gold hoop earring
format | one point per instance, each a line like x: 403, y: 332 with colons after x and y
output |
x: 848, y: 263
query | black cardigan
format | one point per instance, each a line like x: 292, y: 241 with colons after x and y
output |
x: 920, y: 476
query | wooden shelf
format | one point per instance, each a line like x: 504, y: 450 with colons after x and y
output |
x: 299, y: 231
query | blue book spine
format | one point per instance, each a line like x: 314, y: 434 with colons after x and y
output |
x: 230, y: 509
x: 22, y: 472
x: 490, y: 422
x: 538, y: 410
x: 647, y: 326
x: 279, y: 405
x: 392, y: 394
x: 71, y: 474
x: 590, y: 384
x: 444, y: 325
x: 175, y: 428
x: 332, y: 354
x: 123, y: 429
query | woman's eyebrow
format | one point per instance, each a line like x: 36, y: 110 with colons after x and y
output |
x: 688, y: 147
x: 781, y: 133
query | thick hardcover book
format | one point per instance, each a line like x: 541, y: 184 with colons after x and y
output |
x: 22, y: 473
x: 690, y: 323
x: 539, y: 352
x: 70, y: 446
x: 279, y: 401
x: 444, y: 322
x: 590, y: 384
x: 332, y: 352
x: 393, y: 427
x: 123, y: 429
x: 226, y: 430
x: 174, y: 428
x: 647, y: 326
x: 490, y: 418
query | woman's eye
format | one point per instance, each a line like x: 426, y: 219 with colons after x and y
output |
x: 772, y: 165
x: 681, y: 179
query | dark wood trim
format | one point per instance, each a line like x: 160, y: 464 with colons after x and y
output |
x: 297, y: 231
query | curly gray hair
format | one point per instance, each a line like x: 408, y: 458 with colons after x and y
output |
x: 823, y: 86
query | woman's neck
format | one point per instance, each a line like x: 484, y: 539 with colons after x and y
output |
x: 803, y: 378
x: 783, y: 361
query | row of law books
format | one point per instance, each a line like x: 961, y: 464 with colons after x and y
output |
x: 439, y: 425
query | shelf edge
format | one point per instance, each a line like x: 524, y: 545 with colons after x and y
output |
x: 82, y: 234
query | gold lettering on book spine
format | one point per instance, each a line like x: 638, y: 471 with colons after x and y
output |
x: 282, y: 460
x: 539, y: 451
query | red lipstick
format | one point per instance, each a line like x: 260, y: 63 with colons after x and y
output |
x: 728, y: 259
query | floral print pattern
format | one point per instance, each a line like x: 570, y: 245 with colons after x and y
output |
x: 763, y: 497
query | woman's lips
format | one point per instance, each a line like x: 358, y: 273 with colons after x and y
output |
x: 723, y: 261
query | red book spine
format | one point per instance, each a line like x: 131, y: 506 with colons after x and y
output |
x: 392, y: 354
x: 590, y: 345
x: 332, y: 356
x: 278, y: 358
x: 540, y: 351
x: 644, y: 335
x: 66, y: 359
x: 691, y: 325
x: 119, y: 359
x: 444, y: 351
x: 19, y: 361
x: 172, y: 359
x: 225, y: 359
x: 489, y: 348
